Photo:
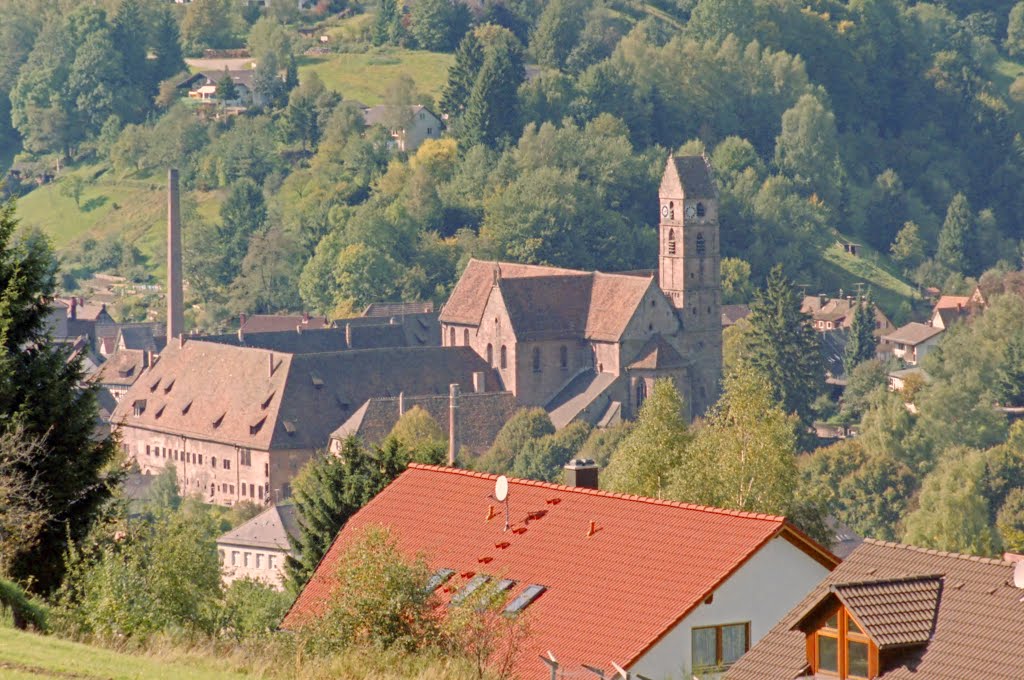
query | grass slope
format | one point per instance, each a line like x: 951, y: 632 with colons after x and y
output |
x: 366, y: 77
x: 27, y: 656
x: 842, y: 270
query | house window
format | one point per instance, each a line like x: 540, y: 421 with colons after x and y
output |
x: 504, y: 357
x: 700, y: 210
x: 841, y: 648
x: 261, y: 492
x: 270, y: 561
x: 258, y: 560
x: 266, y: 469
x: 430, y: 131
x: 234, y: 558
x: 147, y: 449
x: 671, y: 210
x: 220, y: 556
x: 701, y: 247
x: 718, y: 647
x: 490, y: 355
x: 563, y: 356
x: 245, y: 559
x: 245, y: 457
x: 671, y: 241
x: 465, y: 337
x: 227, y: 464
x: 536, y: 359
x: 451, y: 337
x: 243, y: 489
x: 200, y: 459
x: 641, y: 393
x: 213, y: 462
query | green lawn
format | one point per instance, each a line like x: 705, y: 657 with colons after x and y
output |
x: 871, y: 268
x: 26, y: 656
x: 365, y: 77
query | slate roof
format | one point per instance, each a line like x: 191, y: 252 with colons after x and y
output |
x: 123, y: 367
x: 140, y: 337
x: 414, y: 330
x: 480, y: 417
x: 978, y: 631
x: 692, y: 177
x: 610, y: 593
x: 658, y: 354
x: 913, y: 333
x: 733, y: 313
x: 228, y: 394
x: 269, y: 529
x: 378, y: 115
x: 546, y: 303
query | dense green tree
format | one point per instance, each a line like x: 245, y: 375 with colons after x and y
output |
x: 469, y: 58
x: 130, y: 37
x: 208, y: 24
x: 655, y: 450
x: 955, y: 249
x: 1009, y: 378
x: 1015, y: 31
x: 419, y: 433
x: 544, y: 458
x: 40, y: 392
x: 438, y: 25
x: 268, y: 38
x: 492, y: 109
x: 226, y: 89
x: 557, y: 31
x: 167, y: 58
x: 783, y: 347
x: 602, y: 442
x: 365, y: 274
x: 807, y: 148
x: 862, y: 383
x: 860, y: 341
x: 953, y: 513
x: 736, y: 287
x: 243, y: 214
x: 387, y: 27
x: 267, y: 84
x: 525, y: 426
x: 908, y: 248
x: 1010, y: 522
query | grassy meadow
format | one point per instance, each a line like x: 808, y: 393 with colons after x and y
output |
x: 366, y: 76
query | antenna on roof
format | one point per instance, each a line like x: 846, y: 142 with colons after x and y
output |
x: 552, y: 663
x: 501, y: 495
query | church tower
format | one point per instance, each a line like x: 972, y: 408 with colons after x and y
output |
x: 689, y: 268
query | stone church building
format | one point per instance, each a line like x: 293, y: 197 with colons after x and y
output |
x: 589, y: 345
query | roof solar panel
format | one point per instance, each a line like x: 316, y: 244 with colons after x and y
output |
x: 473, y: 584
x: 524, y: 599
x: 438, y: 578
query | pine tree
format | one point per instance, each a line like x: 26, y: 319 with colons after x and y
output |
x: 492, y: 111
x: 783, y: 346
x: 166, y: 46
x: 860, y: 342
x: 291, y: 74
x: 469, y: 58
x: 40, y: 392
x: 226, y: 90
x: 956, y: 236
x: 130, y: 39
x: 1009, y: 378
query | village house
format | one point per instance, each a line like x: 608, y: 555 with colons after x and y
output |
x: 663, y: 589
x: 257, y: 549
x: 951, y: 308
x: 409, y: 126
x: 202, y: 87
x: 589, y: 345
x: 896, y: 612
x: 912, y: 342
x: 830, y: 314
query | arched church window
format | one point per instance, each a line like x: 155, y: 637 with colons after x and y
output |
x: 671, y: 241
x: 490, y: 355
x: 504, y: 357
x: 641, y: 393
x: 700, y: 210
x: 536, y: 359
x: 563, y: 356
x: 671, y: 210
x: 701, y: 246
x: 465, y: 337
x: 451, y: 337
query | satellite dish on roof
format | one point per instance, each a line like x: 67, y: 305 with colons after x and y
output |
x: 1018, y: 575
x: 501, y: 489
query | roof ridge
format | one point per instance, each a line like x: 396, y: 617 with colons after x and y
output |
x: 938, y: 553
x: 890, y: 579
x: 597, y: 492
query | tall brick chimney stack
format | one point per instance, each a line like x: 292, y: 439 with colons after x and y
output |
x: 175, y: 312
x: 453, y: 423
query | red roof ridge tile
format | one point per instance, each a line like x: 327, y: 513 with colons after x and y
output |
x: 941, y: 553
x: 605, y: 494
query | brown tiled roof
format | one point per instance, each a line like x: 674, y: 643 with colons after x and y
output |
x: 547, y: 302
x: 123, y: 367
x: 413, y: 330
x: 658, y: 354
x: 978, y: 631
x: 140, y: 337
x: 229, y: 394
x: 913, y: 333
x: 952, y: 302
x: 378, y: 309
x: 269, y: 529
x: 480, y: 417
x: 894, y: 612
x: 733, y: 313
x: 269, y: 323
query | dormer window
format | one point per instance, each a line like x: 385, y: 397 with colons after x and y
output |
x: 842, y: 649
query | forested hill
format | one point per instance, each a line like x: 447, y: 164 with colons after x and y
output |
x: 888, y: 123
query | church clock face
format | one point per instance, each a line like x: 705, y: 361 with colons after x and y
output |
x: 690, y: 211
x: 664, y: 211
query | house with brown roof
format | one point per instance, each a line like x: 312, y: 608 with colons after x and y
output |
x: 896, y: 612
x: 588, y: 345
x: 662, y: 589
x: 830, y: 314
x: 913, y: 341
x: 257, y: 549
x: 409, y: 126
x: 238, y: 422
x: 951, y: 308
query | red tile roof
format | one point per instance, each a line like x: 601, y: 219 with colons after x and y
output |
x: 610, y: 595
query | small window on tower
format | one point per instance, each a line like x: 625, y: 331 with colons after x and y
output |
x: 671, y: 210
x: 671, y: 242
x: 700, y: 210
x: 700, y: 245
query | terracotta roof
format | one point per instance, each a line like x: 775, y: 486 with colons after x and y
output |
x: 547, y: 302
x: 229, y: 394
x: 480, y: 417
x: 913, y: 333
x: 952, y: 301
x: 658, y: 354
x: 269, y: 529
x: 267, y: 323
x: 378, y: 309
x: 977, y: 631
x: 610, y: 593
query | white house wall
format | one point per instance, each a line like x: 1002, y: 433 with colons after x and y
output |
x: 762, y: 591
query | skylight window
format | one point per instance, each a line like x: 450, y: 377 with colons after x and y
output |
x: 439, y: 578
x: 474, y: 583
x: 524, y: 599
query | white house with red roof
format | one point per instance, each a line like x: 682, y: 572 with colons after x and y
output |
x: 662, y: 589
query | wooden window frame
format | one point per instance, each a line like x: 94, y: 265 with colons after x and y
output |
x: 719, y: 665
x: 843, y: 636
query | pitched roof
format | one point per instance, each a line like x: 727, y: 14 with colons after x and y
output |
x: 913, y: 333
x: 733, y: 313
x: 378, y: 115
x: 269, y: 529
x: 378, y: 309
x: 266, y: 323
x: 140, y: 337
x: 976, y: 633
x: 412, y: 330
x: 480, y: 417
x: 658, y: 354
x: 690, y: 176
x: 123, y: 367
x: 657, y: 557
x: 229, y: 394
x: 952, y: 301
x: 548, y: 302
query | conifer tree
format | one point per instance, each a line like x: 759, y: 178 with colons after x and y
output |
x: 955, y: 249
x: 469, y: 58
x: 166, y: 46
x: 860, y: 343
x: 783, y: 346
x: 492, y: 110
x: 40, y: 393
